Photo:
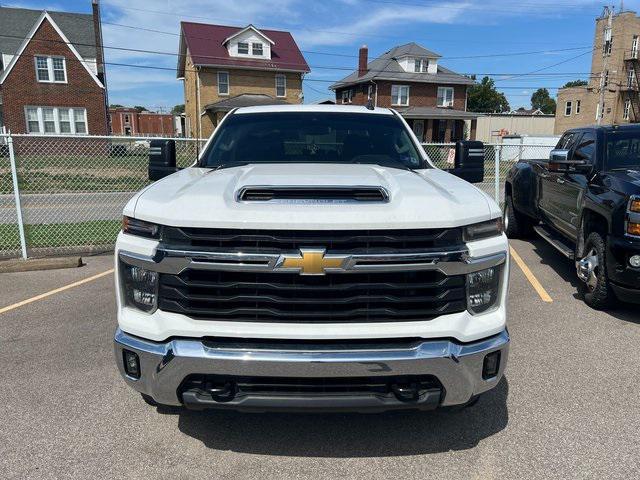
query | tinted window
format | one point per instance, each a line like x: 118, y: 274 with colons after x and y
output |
x: 566, y: 141
x: 586, y: 149
x: 311, y: 137
x: 623, y: 150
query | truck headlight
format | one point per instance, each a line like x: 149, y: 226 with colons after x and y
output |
x: 140, y: 287
x: 634, y: 204
x: 140, y: 228
x: 478, y: 231
x: 483, y: 289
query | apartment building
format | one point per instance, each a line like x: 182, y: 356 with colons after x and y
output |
x: 615, y: 65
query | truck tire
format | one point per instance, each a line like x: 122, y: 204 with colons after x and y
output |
x: 516, y: 225
x: 594, y: 282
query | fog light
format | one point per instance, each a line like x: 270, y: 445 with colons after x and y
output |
x: 131, y: 364
x: 635, y: 261
x: 491, y: 365
x: 483, y: 289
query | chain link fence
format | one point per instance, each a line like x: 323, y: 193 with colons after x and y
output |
x: 61, y: 195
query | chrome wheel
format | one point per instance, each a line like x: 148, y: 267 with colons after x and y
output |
x: 588, y: 269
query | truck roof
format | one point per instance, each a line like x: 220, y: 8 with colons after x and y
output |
x: 314, y: 108
x: 629, y: 126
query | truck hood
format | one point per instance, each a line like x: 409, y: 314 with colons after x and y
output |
x: 626, y: 182
x: 199, y: 197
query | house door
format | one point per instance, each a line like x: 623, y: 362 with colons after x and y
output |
x: 418, y: 129
x: 127, y: 131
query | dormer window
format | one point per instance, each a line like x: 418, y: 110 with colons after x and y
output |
x: 421, y: 65
x: 256, y: 49
x: 243, y: 48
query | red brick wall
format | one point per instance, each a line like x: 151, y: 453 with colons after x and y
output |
x: 142, y: 123
x: 21, y: 88
x: 420, y: 94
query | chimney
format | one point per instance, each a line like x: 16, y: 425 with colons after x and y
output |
x: 363, y: 59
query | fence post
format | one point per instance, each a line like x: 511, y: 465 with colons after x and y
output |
x: 16, y: 194
x: 496, y: 154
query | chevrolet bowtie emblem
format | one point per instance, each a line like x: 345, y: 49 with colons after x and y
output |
x: 311, y: 261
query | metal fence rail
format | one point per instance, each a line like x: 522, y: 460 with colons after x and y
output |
x: 61, y: 195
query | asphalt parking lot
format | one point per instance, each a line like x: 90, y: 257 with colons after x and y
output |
x: 568, y: 408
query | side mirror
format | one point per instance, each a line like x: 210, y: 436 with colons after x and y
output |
x: 469, y: 161
x: 558, y: 155
x: 559, y: 162
x: 162, y: 159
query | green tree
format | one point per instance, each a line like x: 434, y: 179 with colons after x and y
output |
x: 575, y: 83
x: 140, y: 108
x: 178, y: 109
x: 542, y: 100
x: 484, y: 98
x: 116, y: 105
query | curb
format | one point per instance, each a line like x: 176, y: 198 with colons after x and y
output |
x: 29, y: 265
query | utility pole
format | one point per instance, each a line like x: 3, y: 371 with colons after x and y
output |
x: 607, y: 38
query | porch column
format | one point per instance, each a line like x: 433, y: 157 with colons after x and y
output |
x: 428, y: 130
x: 447, y: 132
x: 474, y: 127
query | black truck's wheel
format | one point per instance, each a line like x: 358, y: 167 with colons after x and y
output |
x: 592, y: 272
x: 516, y: 225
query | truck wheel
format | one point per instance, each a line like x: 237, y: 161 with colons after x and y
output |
x: 516, y: 225
x: 594, y: 283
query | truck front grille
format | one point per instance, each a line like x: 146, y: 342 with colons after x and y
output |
x: 363, y: 241
x: 331, y: 298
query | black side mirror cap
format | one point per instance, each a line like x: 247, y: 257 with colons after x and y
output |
x: 162, y: 159
x: 469, y: 161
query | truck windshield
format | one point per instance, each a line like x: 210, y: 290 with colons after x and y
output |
x: 312, y: 137
x: 623, y: 151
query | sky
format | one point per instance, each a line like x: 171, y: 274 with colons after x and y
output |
x: 522, y: 45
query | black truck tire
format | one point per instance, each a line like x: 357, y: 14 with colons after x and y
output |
x: 516, y: 225
x: 598, y: 295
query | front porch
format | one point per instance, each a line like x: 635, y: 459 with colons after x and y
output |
x: 440, y: 125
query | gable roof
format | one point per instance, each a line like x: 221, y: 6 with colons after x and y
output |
x: 244, y: 100
x: 17, y: 22
x: 44, y: 15
x: 206, y: 44
x: 248, y: 27
x: 386, y: 67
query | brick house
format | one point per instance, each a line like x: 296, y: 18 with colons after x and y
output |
x: 408, y: 78
x: 128, y: 121
x: 52, y: 78
x: 225, y: 67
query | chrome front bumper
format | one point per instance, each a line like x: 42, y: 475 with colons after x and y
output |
x: 458, y: 367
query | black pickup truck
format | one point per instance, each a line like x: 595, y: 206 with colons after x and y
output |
x: 585, y: 201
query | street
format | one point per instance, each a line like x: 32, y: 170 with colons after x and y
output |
x: 568, y: 406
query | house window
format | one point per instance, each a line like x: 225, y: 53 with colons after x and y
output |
x: 346, y: 96
x: 606, y: 78
x: 399, y: 95
x: 243, y: 48
x: 567, y: 109
x: 420, y: 65
x: 56, y: 120
x: 607, y: 41
x: 127, y: 119
x: 630, y: 77
x: 223, y: 83
x: 627, y: 109
x: 281, y: 86
x: 445, y: 97
x: 578, y: 106
x: 256, y: 49
x: 51, y: 69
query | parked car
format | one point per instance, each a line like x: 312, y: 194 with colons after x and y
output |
x: 585, y: 201
x: 312, y: 259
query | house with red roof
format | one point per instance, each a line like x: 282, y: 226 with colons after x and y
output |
x: 225, y: 67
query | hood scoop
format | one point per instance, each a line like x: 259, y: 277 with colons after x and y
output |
x: 313, y: 194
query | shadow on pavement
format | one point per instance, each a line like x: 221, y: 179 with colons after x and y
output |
x: 350, y: 435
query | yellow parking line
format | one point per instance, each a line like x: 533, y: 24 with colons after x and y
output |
x: 537, y: 286
x: 53, y: 292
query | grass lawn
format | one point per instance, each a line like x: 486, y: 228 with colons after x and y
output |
x: 98, y: 232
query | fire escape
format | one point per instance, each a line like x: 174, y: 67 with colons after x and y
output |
x: 631, y: 88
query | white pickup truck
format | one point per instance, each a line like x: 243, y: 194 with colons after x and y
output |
x: 313, y: 258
